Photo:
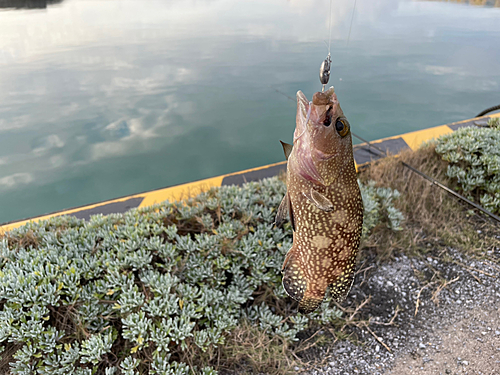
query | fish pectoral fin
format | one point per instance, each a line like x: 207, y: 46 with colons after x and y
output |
x: 293, y: 281
x: 287, y: 148
x: 319, y: 200
x: 322, y: 202
x: 282, y: 212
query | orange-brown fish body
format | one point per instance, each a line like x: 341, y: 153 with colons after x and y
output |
x: 324, y: 203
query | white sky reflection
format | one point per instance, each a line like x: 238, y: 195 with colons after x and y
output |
x: 91, y: 92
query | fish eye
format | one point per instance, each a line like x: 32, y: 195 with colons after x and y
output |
x: 342, y: 127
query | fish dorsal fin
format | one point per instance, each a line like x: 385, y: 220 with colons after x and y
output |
x: 284, y: 208
x: 287, y: 149
x: 319, y: 200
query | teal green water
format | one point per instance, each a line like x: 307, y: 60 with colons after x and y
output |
x: 100, y: 99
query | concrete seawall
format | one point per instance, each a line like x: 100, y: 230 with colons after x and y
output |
x: 363, y: 155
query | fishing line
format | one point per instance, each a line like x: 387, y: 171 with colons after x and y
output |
x: 324, y: 76
x: 282, y: 93
x: 350, y: 27
x: 330, y: 29
x: 324, y: 70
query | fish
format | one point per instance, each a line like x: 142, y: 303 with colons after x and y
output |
x: 323, y: 203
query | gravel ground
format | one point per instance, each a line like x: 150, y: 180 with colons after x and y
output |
x: 455, y: 331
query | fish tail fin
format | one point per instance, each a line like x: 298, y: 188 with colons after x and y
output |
x: 314, y: 295
x: 294, y: 281
x: 310, y: 303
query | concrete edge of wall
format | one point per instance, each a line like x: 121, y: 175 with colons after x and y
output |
x: 363, y: 155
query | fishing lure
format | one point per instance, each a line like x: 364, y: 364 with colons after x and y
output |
x: 324, y: 71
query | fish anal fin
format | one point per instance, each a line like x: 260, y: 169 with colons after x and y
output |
x: 294, y: 281
x: 340, y: 288
x: 319, y: 200
x: 287, y: 149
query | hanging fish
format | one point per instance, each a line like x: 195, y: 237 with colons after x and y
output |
x: 323, y: 202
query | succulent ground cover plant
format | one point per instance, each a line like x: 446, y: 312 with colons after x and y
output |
x: 473, y: 155
x: 155, y: 290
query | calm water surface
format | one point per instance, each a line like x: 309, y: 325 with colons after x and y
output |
x: 100, y: 99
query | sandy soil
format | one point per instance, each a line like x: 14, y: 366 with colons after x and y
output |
x: 470, y: 346
x: 455, y: 330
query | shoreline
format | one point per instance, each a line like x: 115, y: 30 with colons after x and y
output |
x: 363, y: 156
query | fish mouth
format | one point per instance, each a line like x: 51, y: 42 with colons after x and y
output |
x: 327, y: 97
x: 305, y: 124
x: 304, y: 108
x: 312, y: 114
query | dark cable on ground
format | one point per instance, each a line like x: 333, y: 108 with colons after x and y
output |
x: 435, y: 182
x: 488, y: 110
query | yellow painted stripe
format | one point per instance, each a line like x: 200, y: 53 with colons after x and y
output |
x: 415, y: 139
x: 494, y: 115
x: 192, y: 189
x: 172, y: 193
x: 425, y: 130
x: 474, y: 119
x: 179, y: 192
x: 10, y: 226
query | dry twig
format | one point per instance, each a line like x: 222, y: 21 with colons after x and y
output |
x: 474, y: 276
x: 440, y: 288
x: 390, y: 323
x: 359, y: 307
x: 364, y: 274
x: 419, y: 293
x: 377, y: 338
x: 474, y: 269
x: 310, y: 345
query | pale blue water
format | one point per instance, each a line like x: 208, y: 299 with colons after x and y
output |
x: 100, y: 99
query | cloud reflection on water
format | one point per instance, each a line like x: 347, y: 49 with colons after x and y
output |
x: 16, y: 179
x: 163, y: 92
